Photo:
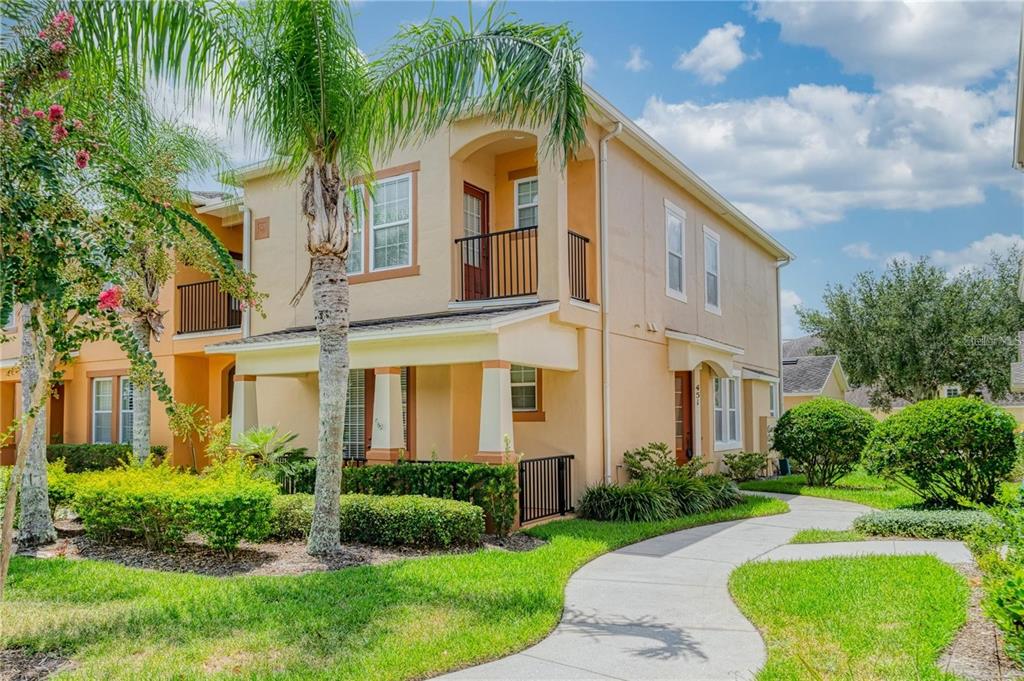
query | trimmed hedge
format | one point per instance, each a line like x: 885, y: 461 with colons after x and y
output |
x: 947, y: 450
x: 291, y: 516
x: 96, y: 457
x: 925, y: 524
x: 161, y: 506
x: 492, y: 488
x: 418, y: 521
x: 824, y: 437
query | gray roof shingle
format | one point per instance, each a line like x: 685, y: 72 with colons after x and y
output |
x: 806, y: 374
x: 803, y: 346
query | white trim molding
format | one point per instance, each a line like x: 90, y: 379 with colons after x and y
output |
x: 704, y: 341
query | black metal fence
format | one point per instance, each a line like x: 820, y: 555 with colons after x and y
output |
x: 203, y: 306
x: 545, y: 487
x: 498, y: 264
x: 578, y: 266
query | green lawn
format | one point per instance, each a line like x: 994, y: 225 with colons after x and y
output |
x: 403, y: 620
x: 858, y: 487
x: 875, y: 617
x: 818, y: 536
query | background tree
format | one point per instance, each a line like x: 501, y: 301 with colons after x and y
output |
x: 294, y: 74
x: 914, y: 327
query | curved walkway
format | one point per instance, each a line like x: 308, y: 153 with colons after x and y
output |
x: 661, y: 609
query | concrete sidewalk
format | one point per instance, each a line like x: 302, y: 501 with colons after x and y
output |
x: 661, y: 609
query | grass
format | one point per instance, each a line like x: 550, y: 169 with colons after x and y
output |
x: 875, y: 617
x: 407, y: 619
x: 858, y: 487
x: 819, y: 536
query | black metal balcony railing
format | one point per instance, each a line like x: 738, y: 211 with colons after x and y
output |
x: 202, y: 306
x: 578, y: 245
x: 498, y: 264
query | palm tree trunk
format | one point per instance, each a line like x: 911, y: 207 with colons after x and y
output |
x: 36, y: 525
x: 141, y: 395
x: 331, y: 315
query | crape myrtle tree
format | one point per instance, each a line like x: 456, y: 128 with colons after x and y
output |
x: 294, y: 74
x: 60, y: 171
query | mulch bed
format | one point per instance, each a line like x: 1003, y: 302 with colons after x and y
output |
x: 24, y: 666
x: 977, y: 651
x: 270, y: 558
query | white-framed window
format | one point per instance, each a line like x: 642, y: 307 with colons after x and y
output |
x: 527, y: 202
x: 472, y: 225
x: 355, y: 238
x: 712, y: 271
x: 125, y: 413
x: 952, y: 391
x: 391, y: 223
x: 773, y: 399
x: 524, y: 388
x: 354, y: 440
x: 675, y: 259
x: 727, y: 413
x: 103, y: 410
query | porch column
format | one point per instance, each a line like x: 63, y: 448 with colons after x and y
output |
x: 553, y: 233
x: 243, y: 405
x: 388, y: 437
x: 495, y: 411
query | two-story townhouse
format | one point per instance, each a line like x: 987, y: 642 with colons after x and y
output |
x: 496, y: 298
x: 93, y: 402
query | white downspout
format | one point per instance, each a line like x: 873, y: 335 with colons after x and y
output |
x: 246, y: 262
x: 606, y: 407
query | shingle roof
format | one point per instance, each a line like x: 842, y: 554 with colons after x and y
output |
x: 803, y: 346
x: 807, y: 374
x: 302, y: 333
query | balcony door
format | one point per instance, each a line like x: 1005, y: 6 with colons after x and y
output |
x: 476, y: 278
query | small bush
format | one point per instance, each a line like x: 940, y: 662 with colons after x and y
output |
x: 948, y: 450
x: 690, y: 492
x: 492, y: 488
x: 824, y: 437
x: 96, y: 457
x: 999, y: 548
x: 410, y: 521
x: 722, y: 491
x: 925, y: 524
x: 291, y: 516
x: 653, y: 461
x: 636, y: 501
x: 745, y: 465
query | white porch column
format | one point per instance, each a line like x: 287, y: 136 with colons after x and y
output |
x: 553, y: 231
x: 243, y: 405
x: 388, y: 437
x: 495, y: 411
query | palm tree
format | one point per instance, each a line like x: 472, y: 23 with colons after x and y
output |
x: 293, y: 73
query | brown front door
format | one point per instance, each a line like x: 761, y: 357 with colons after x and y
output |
x: 55, y: 415
x: 684, y: 416
x: 476, y: 278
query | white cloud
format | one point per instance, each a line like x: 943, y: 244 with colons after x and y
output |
x: 978, y: 253
x: 938, y: 43
x: 819, y: 151
x: 637, y: 62
x: 589, y: 65
x: 789, y: 300
x: 860, y: 249
x: 717, y: 53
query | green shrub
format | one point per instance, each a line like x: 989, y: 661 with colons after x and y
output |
x: 274, y: 458
x: 824, y: 437
x: 999, y: 548
x: 653, y: 461
x: 291, y: 516
x: 492, y: 488
x: 410, y: 521
x: 96, y: 457
x: 690, y: 492
x: 925, y: 524
x: 59, y: 486
x: 948, y: 450
x: 745, y: 465
x: 635, y: 501
x: 161, y: 506
x: 722, y: 491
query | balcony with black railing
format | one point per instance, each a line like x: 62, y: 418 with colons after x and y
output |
x: 203, y: 307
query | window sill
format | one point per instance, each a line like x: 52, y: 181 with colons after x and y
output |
x: 728, y: 446
x: 381, y: 275
x: 713, y: 309
x: 528, y: 416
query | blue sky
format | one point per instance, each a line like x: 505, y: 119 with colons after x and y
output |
x: 854, y: 132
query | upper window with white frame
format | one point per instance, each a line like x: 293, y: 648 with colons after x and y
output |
x: 727, y: 413
x: 712, y: 271
x: 357, y: 203
x: 675, y: 256
x: 391, y: 223
x: 527, y: 202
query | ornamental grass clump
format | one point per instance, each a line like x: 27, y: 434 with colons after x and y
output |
x: 824, y: 437
x: 635, y: 501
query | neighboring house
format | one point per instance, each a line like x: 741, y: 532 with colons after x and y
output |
x: 479, y: 313
x: 806, y: 375
x: 93, y: 402
x: 1013, y: 402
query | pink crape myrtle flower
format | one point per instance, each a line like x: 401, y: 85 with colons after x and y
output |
x: 77, y: 123
x: 57, y: 47
x: 63, y: 21
x: 39, y: 114
x: 56, y: 113
x: 110, y: 299
x: 82, y: 159
x: 64, y: 75
x: 59, y: 133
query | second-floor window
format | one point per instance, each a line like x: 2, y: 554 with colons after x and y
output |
x: 355, y: 238
x: 527, y: 202
x: 773, y: 399
x: 391, y: 224
x: 675, y: 266
x: 712, y: 272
